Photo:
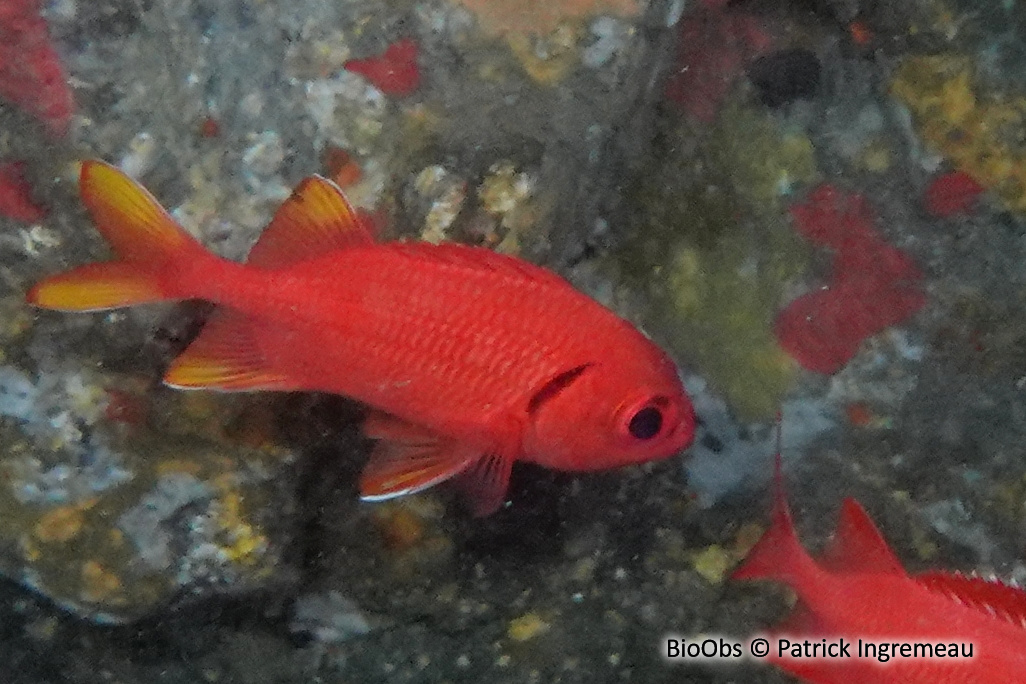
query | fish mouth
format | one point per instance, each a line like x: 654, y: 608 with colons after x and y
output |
x: 683, y: 434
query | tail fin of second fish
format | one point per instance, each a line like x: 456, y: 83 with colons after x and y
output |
x: 154, y: 252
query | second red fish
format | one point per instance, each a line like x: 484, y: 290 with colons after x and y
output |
x: 858, y: 591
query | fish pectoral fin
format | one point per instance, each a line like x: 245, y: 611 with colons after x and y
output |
x: 225, y: 357
x: 484, y: 484
x: 397, y: 468
x: 858, y: 546
x: 316, y: 219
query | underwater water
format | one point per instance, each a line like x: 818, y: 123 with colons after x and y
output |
x: 815, y: 209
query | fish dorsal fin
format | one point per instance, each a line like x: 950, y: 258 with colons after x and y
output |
x: 315, y: 219
x: 778, y: 555
x: 858, y: 546
x: 484, y: 484
x: 408, y: 458
x: 225, y: 357
x: 991, y: 596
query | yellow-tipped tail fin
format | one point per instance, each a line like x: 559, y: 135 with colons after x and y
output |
x: 153, y: 250
x: 95, y: 287
x: 131, y: 220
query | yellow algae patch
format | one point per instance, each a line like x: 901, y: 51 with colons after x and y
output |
x: 29, y: 550
x: 541, y: 17
x: 400, y: 527
x: 877, y: 156
x: 527, y: 627
x: 760, y: 162
x: 724, y: 313
x: 244, y: 543
x: 746, y: 538
x: 99, y: 585
x: 412, y: 535
x: 178, y: 465
x: 714, y: 253
x: 712, y: 563
x: 548, y: 60
x: 980, y: 132
x: 59, y: 525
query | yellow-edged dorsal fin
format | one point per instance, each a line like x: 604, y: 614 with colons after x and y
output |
x: 316, y: 219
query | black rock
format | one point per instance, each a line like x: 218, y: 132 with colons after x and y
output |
x: 785, y: 76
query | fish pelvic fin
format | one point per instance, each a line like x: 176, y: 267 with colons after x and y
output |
x: 315, y: 219
x: 397, y: 468
x: 484, y: 484
x: 154, y: 252
x: 409, y: 458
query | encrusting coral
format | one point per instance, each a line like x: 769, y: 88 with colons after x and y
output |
x: 979, y: 132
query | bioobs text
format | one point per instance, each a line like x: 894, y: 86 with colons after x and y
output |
x: 708, y: 648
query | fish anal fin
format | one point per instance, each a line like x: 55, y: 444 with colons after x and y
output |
x: 397, y: 468
x: 225, y: 357
x: 315, y: 219
x: 1004, y: 601
x: 95, y: 287
x: 858, y: 546
x: 484, y: 484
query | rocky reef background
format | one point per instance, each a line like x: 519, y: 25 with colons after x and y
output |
x: 710, y: 169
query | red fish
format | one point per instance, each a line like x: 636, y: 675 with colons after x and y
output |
x: 860, y: 590
x: 469, y: 359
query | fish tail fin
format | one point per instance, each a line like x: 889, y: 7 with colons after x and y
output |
x: 155, y: 255
x: 779, y: 554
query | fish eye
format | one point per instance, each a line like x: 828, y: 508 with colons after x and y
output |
x: 646, y: 423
